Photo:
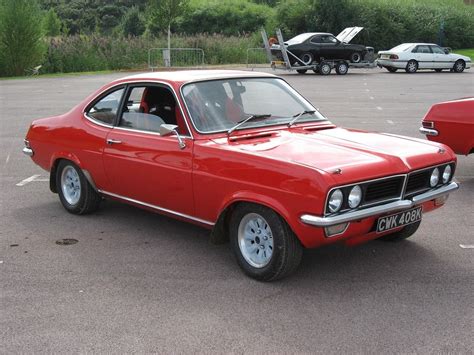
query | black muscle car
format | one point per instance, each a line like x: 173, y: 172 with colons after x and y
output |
x: 318, y: 46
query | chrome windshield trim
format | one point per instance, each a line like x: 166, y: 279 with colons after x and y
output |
x: 161, y: 209
x: 246, y: 77
x: 377, y: 210
x: 428, y: 131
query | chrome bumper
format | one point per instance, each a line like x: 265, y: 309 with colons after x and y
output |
x: 428, y: 131
x: 378, y: 210
x: 28, y: 151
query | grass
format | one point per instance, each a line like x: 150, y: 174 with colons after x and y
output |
x: 467, y: 52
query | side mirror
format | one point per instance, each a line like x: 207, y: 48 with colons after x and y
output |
x: 167, y: 129
x: 447, y: 50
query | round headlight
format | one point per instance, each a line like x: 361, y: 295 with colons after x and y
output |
x: 434, y: 178
x: 335, y: 200
x: 446, y: 174
x: 355, y: 196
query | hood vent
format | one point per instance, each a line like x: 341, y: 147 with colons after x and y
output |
x: 251, y: 136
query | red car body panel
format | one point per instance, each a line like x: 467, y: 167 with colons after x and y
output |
x: 290, y: 170
x: 454, y: 123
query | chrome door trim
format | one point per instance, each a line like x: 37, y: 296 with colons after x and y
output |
x: 158, y: 208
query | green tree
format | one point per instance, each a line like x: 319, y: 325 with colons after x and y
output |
x: 52, y: 23
x: 133, y: 23
x: 164, y: 13
x: 21, y: 36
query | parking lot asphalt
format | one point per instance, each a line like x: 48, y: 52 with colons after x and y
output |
x: 140, y: 282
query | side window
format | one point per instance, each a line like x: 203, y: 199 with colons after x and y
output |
x: 422, y: 49
x: 316, y: 39
x: 437, y: 50
x: 105, y: 110
x: 148, y: 107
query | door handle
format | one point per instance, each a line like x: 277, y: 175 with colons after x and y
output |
x: 113, y: 141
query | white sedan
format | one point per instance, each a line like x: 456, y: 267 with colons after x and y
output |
x: 414, y: 56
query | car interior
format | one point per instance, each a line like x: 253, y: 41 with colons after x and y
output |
x: 151, y: 106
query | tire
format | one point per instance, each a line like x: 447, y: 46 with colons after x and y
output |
x: 301, y: 71
x: 438, y: 70
x: 307, y: 58
x: 403, y: 234
x: 265, y: 247
x: 75, y: 192
x: 324, y: 68
x: 391, y: 69
x: 412, y: 66
x: 342, y: 68
x: 316, y: 70
x: 459, y: 66
x: 356, y: 57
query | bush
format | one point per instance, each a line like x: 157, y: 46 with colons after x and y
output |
x: 21, y: 36
x: 387, y: 22
x: 225, y: 17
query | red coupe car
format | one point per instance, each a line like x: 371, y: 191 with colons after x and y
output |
x: 451, y: 123
x: 243, y: 154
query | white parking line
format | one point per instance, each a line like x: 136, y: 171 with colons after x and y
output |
x: 390, y: 122
x: 467, y: 246
x: 8, y: 159
x: 371, y: 97
x: 379, y: 108
x: 30, y: 179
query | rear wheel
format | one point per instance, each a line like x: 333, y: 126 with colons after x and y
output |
x: 265, y: 247
x: 402, y: 234
x: 75, y: 192
x: 306, y: 58
x: 412, y: 66
x: 391, y: 69
x: 324, y: 68
x: 459, y: 66
x: 342, y: 68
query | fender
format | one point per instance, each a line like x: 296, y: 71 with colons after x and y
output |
x: 251, y: 196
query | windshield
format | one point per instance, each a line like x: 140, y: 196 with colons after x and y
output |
x: 218, y: 105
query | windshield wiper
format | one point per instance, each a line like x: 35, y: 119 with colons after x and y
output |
x: 298, y: 115
x: 250, y: 118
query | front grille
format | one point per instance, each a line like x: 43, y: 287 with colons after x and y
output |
x: 383, y: 189
x: 418, y: 181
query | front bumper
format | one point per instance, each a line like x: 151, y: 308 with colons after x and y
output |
x: 378, y: 210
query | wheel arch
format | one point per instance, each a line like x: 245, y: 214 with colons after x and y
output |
x: 56, y: 159
x: 219, y: 233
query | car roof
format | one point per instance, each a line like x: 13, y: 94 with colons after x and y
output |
x: 186, y: 76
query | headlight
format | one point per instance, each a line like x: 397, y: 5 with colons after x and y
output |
x: 446, y: 174
x: 434, y: 178
x: 355, y: 196
x: 335, y: 200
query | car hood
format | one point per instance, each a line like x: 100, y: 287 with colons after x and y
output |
x: 348, y: 34
x: 345, y: 153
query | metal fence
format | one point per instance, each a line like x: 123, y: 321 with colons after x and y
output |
x: 257, y: 57
x: 175, y: 57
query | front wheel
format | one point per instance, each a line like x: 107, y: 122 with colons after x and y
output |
x: 403, y: 234
x: 391, y: 69
x: 75, y: 192
x: 265, y: 247
x: 459, y: 66
x: 356, y: 57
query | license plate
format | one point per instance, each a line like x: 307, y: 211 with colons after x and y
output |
x: 384, y: 56
x: 400, y: 219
